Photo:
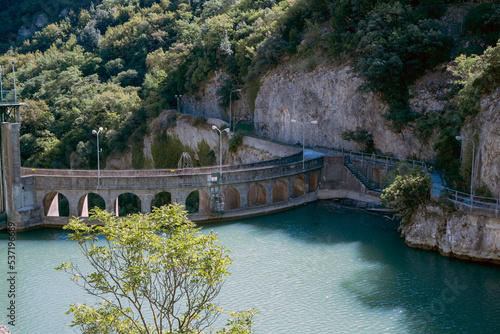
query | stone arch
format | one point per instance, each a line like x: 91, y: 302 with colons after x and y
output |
x: 88, y: 202
x: 56, y: 205
x: 161, y: 199
x: 257, y: 195
x: 313, y: 182
x: 231, y: 199
x: 198, y: 201
x: 126, y: 204
x: 299, y: 186
x: 280, y: 192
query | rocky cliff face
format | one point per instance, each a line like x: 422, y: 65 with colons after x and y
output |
x: 334, y: 97
x: 455, y: 234
x: 488, y: 166
x: 252, y: 150
x: 206, y: 102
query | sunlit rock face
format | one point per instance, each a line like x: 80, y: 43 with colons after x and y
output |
x: 454, y: 233
x: 334, y: 96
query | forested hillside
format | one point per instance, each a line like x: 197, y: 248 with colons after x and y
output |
x: 117, y: 63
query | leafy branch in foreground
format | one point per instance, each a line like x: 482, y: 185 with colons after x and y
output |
x: 154, y: 273
x: 409, y: 189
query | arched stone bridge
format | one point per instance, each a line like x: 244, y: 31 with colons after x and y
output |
x: 245, y: 190
x: 49, y: 197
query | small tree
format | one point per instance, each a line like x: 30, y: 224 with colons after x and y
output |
x: 155, y: 273
x: 407, y: 191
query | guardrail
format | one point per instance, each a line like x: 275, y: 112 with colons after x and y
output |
x: 384, y: 159
x: 473, y: 202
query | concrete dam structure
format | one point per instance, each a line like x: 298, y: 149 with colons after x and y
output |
x: 50, y: 197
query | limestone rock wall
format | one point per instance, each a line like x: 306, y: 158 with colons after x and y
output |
x: 252, y: 149
x: 488, y: 167
x: 333, y: 96
x: 455, y: 234
x: 206, y: 102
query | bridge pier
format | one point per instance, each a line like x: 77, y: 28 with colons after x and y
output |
x: 17, y: 193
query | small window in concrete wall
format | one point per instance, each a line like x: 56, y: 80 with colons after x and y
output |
x: 88, y: 202
x: 161, y: 199
x: 299, y: 187
x: 56, y: 205
x: 231, y: 199
x: 280, y: 192
x: 257, y: 195
x: 126, y: 204
x: 313, y: 181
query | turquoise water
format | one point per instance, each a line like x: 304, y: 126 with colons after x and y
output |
x: 320, y: 268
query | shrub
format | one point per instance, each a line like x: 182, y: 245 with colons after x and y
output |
x: 361, y: 136
x: 407, y: 192
x: 199, y: 120
x: 236, y: 141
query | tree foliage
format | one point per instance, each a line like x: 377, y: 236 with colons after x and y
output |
x: 154, y: 273
x: 408, y: 189
x: 141, y: 53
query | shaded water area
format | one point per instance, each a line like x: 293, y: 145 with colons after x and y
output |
x: 320, y: 268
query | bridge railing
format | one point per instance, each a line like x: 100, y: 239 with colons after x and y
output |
x: 295, y: 158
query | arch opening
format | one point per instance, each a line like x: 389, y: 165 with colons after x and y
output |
x: 313, y: 182
x: 127, y: 204
x: 88, y: 202
x: 56, y: 205
x: 231, y: 198
x: 161, y: 199
x: 299, y: 187
x: 280, y: 192
x: 257, y: 195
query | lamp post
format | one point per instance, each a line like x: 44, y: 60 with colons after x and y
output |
x: 178, y: 97
x: 230, y: 108
x: 98, y: 151
x: 303, y: 149
x: 1, y: 91
x: 220, y: 149
x: 472, y: 167
x: 13, y: 61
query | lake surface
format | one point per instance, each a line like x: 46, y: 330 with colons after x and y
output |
x: 320, y: 268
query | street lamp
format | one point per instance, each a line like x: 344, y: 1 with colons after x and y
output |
x: 472, y: 167
x: 230, y: 110
x: 178, y: 97
x: 13, y: 61
x: 98, y: 151
x: 220, y: 149
x: 311, y: 122
x: 1, y: 91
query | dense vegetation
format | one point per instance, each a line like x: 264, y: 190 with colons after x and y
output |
x: 408, y: 188
x: 117, y: 63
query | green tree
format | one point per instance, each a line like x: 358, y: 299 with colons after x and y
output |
x: 409, y: 189
x: 155, y: 273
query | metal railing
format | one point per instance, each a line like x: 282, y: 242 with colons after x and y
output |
x: 393, y: 161
x: 477, y: 202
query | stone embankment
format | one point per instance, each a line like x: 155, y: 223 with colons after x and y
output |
x: 454, y: 233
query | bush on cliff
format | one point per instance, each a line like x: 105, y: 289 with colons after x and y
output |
x: 410, y: 188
